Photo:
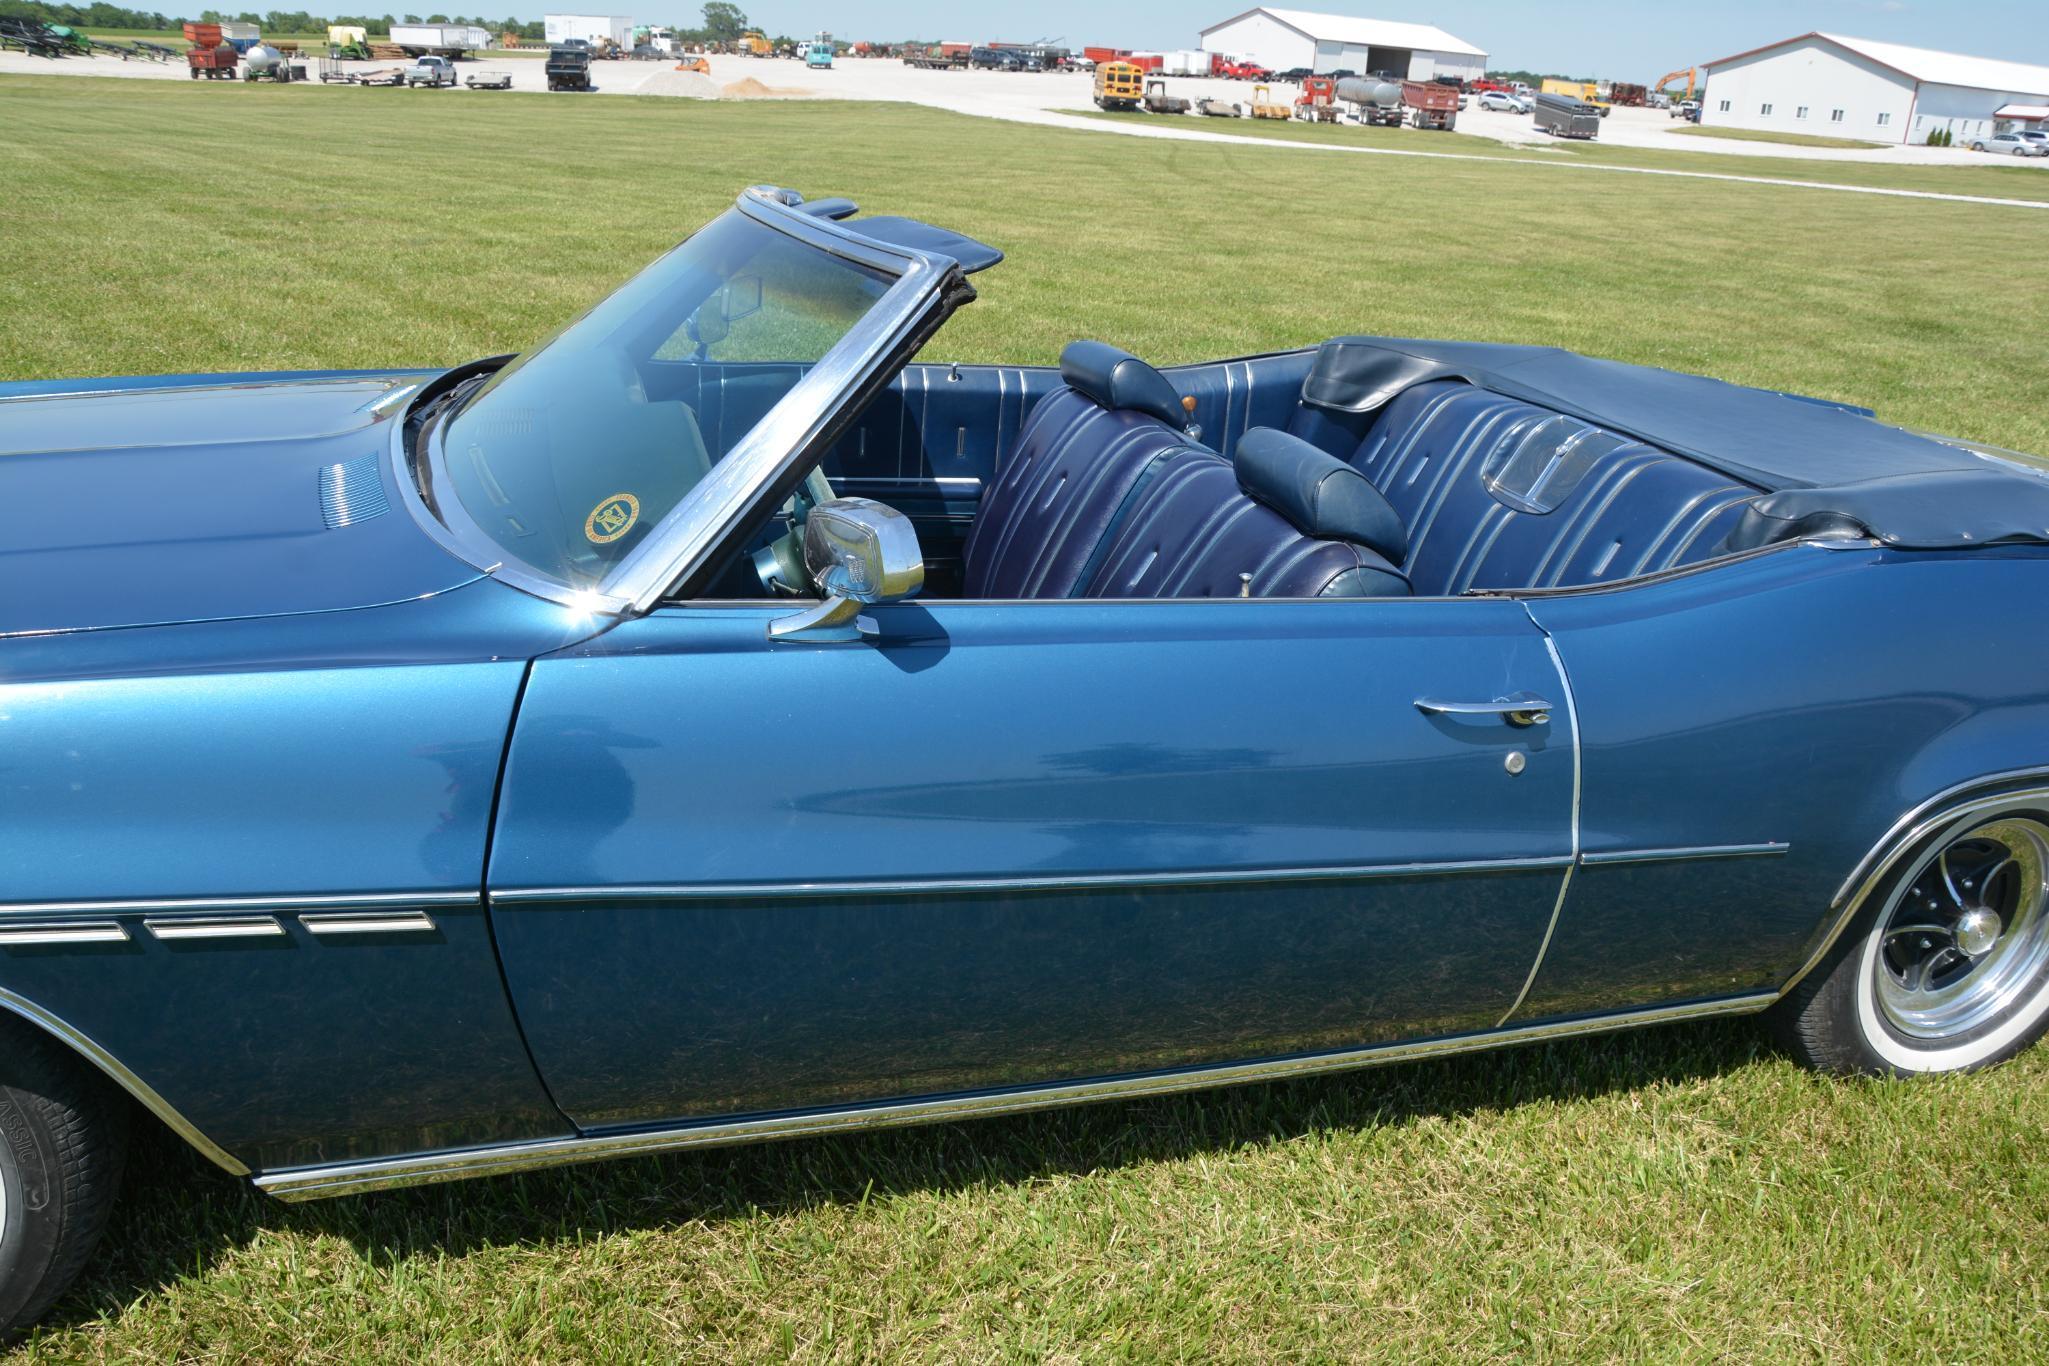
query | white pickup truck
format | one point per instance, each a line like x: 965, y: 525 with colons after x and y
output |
x: 431, y: 71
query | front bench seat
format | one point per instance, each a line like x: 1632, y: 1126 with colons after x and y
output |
x: 1083, y: 452
x: 1280, y: 520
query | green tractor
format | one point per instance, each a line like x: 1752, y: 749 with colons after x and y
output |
x: 72, y: 39
x: 348, y: 43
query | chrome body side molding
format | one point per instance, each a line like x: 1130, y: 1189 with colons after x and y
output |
x: 1704, y: 851
x: 229, y: 905
x: 128, y: 1081
x: 312, y: 1183
x: 721, y: 891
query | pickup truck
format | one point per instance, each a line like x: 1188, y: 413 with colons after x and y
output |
x: 431, y: 71
x: 569, y: 68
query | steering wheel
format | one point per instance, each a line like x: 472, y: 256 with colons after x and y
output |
x: 780, y: 563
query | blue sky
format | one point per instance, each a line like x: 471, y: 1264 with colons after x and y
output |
x: 1586, y: 37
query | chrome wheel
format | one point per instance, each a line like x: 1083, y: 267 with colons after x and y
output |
x: 1966, y: 944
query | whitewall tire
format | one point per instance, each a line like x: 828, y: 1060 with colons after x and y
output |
x: 1947, y: 967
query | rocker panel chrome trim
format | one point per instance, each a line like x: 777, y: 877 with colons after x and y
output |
x: 526, y: 896
x: 127, y: 1080
x: 313, y: 1183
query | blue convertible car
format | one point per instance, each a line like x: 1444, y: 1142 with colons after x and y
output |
x: 716, y: 725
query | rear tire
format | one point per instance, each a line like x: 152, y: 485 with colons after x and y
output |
x: 63, y: 1140
x: 1947, y: 968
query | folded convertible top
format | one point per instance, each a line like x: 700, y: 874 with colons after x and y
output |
x: 1826, y: 464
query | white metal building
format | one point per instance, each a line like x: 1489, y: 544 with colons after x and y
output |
x: 1287, y: 38
x: 1855, y: 88
x: 592, y: 28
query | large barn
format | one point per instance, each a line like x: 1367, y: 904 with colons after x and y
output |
x: 1878, y: 92
x: 1285, y: 39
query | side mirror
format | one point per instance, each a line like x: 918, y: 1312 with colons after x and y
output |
x: 860, y: 553
x: 740, y: 297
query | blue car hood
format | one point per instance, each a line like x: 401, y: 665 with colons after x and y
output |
x: 146, y: 502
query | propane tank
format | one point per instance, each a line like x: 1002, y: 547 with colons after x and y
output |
x: 261, y: 59
x: 1359, y: 90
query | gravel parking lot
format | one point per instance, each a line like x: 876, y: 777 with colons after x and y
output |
x: 1024, y: 98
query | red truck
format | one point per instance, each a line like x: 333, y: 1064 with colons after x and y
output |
x: 1240, y: 71
x: 1431, y: 105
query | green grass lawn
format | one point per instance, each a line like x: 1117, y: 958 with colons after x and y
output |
x: 1765, y: 135
x: 1684, y: 1193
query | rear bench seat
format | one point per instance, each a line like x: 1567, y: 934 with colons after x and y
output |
x: 1107, y: 497
x: 1497, y: 494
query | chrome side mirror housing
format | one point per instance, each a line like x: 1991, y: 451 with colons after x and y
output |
x: 859, y: 553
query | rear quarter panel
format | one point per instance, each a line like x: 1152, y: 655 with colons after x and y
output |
x: 1807, y: 696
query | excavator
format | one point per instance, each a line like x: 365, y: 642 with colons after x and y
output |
x: 1691, y: 75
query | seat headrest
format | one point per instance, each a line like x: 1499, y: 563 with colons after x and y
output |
x: 1320, y: 494
x: 1118, y: 379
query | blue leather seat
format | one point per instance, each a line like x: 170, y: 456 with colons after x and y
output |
x: 1284, y: 520
x: 1106, y: 497
x: 1085, y: 450
x: 1496, y: 493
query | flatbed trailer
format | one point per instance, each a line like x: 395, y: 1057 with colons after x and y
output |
x: 489, y: 80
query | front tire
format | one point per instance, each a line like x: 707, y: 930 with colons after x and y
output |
x: 63, y: 1140
x: 1948, y: 971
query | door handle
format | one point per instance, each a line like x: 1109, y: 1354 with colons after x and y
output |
x: 1518, y: 709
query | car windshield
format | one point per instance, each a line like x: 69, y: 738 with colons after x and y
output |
x: 574, y: 451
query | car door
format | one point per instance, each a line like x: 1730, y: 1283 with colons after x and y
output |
x: 1006, y: 844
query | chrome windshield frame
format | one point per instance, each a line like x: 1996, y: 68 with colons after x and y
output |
x: 681, y: 541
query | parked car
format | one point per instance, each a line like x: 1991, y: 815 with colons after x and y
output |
x: 715, y: 725
x: 431, y: 71
x: 998, y: 59
x: 2009, y: 144
x: 1501, y: 102
x: 1295, y: 74
x: 1685, y: 109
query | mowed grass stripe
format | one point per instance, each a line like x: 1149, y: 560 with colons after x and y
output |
x: 1682, y: 1193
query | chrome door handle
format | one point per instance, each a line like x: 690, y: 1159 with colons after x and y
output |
x: 1518, y: 709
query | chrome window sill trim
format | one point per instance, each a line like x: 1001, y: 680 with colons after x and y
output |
x: 215, y: 927
x: 313, y: 1183
x: 1608, y: 857
x: 1076, y: 882
x: 1924, y: 820
x: 346, y: 922
x: 201, y: 905
x: 63, y: 932
x: 135, y: 1086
